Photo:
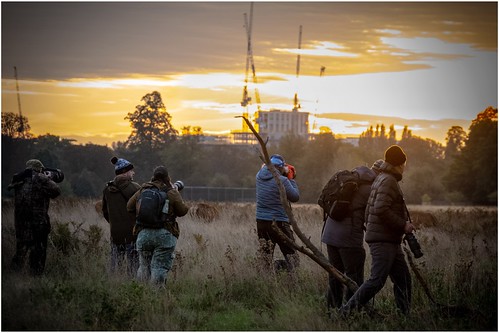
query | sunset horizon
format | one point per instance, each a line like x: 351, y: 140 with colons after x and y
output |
x: 428, y: 66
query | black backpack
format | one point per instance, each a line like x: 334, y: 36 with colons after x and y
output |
x: 337, y: 194
x: 150, y: 205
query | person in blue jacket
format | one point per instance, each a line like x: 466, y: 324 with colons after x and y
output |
x: 269, y: 208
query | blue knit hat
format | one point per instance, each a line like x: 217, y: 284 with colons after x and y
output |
x: 277, y: 160
x: 121, y: 165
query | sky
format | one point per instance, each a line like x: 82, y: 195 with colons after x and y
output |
x: 83, y: 66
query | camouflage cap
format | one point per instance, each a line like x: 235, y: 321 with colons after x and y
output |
x: 34, y: 165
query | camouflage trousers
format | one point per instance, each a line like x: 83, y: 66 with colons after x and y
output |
x: 36, y: 247
x: 156, y: 249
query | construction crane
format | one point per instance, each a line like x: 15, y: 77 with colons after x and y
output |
x: 296, y: 103
x: 246, y: 98
x: 250, y: 54
x: 20, y: 129
x: 248, y: 24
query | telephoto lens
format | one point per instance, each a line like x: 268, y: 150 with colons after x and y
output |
x: 413, y: 245
x: 179, y: 185
x: 55, y: 174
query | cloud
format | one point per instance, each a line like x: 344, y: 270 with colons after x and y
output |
x: 321, y: 49
x: 119, y: 83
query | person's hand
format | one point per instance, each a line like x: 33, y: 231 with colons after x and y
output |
x: 408, y: 228
x: 291, y: 172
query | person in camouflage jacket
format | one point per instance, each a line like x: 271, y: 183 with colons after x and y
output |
x: 114, y: 200
x: 156, y: 246
x: 387, y: 222
x: 32, y: 193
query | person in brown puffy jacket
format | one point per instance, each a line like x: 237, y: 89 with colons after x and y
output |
x: 156, y: 244
x: 114, y: 199
x: 386, y: 224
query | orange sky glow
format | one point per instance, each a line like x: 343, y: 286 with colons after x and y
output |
x: 83, y: 66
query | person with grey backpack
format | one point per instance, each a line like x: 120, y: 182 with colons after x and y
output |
x: 343, y: 231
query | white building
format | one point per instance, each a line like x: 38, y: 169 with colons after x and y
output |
x: 275, y: 124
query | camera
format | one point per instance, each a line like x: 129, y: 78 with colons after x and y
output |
x: 179, y: 185
x: 54, y: 174
x: 413, y: 243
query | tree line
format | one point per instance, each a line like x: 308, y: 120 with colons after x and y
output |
x: 464, y: 171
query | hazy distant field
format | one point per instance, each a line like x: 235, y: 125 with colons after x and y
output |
x: 215, y: 283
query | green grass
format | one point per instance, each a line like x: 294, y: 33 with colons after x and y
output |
x: 216, y: 285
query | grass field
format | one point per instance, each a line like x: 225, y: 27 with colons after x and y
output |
x: 216, y: 284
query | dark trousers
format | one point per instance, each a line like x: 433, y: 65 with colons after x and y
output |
x: 37, y: 248
x: 387, y: 260
x: 269, y: 238
x: 350, y: 261
x: 125, y: 256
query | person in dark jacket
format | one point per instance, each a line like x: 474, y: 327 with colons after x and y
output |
x: 114, y: 200
x: 269, y: 208
x: 387, y: 222
x: 345, y: 238
x: 156, y: 246
x: 32, y: 193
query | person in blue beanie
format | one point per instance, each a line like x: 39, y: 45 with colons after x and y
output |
x: 269, y: 208
x: 114, y: 199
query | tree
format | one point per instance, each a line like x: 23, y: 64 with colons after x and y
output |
x: 406, y: 133
x: 151, y: 124
x: 192, y: 131
x: 13, y: 127
x: 392, y: 135
x: 456, y: 138
x: 474, y: 171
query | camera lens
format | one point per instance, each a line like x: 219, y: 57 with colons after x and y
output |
x: 179, y: 185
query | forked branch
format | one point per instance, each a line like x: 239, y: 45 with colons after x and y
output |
x: 310, y: 250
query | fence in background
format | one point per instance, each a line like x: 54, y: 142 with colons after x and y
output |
x: 219, y: 194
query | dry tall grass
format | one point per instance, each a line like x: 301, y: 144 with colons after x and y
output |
x: 216, y: 284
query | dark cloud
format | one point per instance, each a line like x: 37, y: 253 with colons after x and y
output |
x: 58, y: 40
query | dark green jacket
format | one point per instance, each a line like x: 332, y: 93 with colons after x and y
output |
x: 114, y: 199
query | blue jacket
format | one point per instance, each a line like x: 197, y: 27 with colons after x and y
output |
x: 268, y: 202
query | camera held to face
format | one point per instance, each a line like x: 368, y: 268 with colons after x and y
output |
x: 413, y: 243
x: 179, y: 185
x: 54, y: 174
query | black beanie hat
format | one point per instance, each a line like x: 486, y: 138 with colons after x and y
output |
x: 395, y: 155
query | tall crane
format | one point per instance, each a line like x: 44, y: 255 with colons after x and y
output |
x: 248, y: 24
x: 20, y: 130
x: 246, y: 98
x: 250, y: 54
x: 296, y: 103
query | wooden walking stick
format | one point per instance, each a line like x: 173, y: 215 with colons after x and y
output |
x: 456, y: 310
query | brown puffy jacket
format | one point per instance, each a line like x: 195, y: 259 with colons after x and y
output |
x: 385, y: 212
x: 176, y: 203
